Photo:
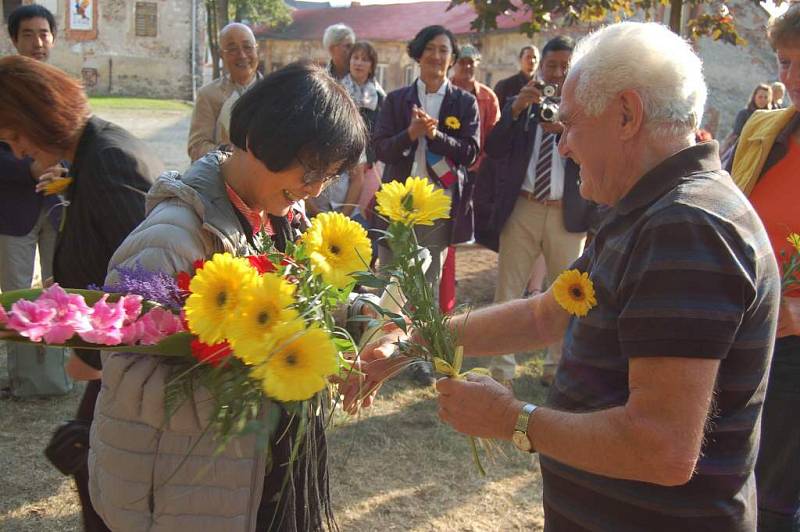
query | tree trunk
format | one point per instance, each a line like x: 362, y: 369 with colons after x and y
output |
x: 217, y: 18
x: 213, y: 35
x: 676, y: 16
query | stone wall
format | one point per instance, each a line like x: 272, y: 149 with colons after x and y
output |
x: 118, y: 62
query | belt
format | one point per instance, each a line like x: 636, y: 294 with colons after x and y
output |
x: 546, y: 202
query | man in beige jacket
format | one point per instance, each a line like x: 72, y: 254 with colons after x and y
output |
x: 240, y: 60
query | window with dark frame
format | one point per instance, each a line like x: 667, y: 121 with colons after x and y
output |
x: 146, y: 19
x: 9, y: 6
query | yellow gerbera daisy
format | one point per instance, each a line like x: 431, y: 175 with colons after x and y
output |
x: 216, y: 288
x: 415, y: 202
x: 337, y: 247
x: 794, y: 240
x: 299, y: 364
x: 263, y: 306
x: 574, y: 291
x: 452, y: 122
x: 57, y: 186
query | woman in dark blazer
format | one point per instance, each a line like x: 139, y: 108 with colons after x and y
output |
x: 44, y: 115
x: 428, y: 126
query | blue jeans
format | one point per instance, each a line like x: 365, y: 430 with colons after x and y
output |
x: 778, y: 465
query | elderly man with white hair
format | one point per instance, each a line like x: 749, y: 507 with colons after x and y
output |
x: 652, y: 421
x: 338, y: 39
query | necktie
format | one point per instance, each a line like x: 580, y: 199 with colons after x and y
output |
x: 541, y: 186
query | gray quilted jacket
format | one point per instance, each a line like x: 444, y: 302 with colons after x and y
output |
x: 147, y: 473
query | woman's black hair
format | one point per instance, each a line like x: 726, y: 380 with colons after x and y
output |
x: 299, y: 113
x: 417, y: 45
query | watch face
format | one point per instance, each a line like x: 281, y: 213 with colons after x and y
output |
x: 521, y: 441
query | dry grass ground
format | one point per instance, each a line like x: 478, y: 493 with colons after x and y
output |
x: 396, y: 467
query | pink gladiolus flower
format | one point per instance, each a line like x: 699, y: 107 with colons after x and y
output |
x: 106, y: 322
x: 157, y: 325
x: 132, y: 304
x: 31, y: 319
x: 72, y: 314
x: 3, y: 315
x: 131, y: 333
x: 131, y: 329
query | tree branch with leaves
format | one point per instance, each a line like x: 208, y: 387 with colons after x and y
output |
x: 717, y: 22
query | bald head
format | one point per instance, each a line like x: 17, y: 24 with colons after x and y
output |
x: 239, y: 52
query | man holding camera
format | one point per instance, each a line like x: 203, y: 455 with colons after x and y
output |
x: 537, y: 209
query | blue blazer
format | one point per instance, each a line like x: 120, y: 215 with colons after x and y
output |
x: 20, y: 205
x: 461, y: 145
x: 510, y: 145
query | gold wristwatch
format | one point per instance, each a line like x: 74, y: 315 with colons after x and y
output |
x: 520, y: 436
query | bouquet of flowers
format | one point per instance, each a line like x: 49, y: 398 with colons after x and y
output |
x: 251, y: 330
x: 408, y: 299
x: 790, y: 279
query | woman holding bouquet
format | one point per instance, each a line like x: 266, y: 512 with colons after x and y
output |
x: 430, y: 129
x: 292, y: 132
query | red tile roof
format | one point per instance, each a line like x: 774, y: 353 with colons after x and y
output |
x: 389, y: 22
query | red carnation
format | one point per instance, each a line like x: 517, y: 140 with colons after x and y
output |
x: 211, y: 354
x: 182, y: 280
x: 261, y: 263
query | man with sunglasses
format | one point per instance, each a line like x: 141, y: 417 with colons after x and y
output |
x: 240, y: 60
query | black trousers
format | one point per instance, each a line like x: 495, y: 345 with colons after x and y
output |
x: 91, y: 521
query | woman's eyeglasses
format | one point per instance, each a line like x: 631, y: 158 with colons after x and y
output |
x: 313, y: 176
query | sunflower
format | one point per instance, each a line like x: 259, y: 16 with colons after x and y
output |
x: 57, y: 185
x: 574, y: 291
x: 452, y: 122
x: 415, y: 202
x: 337, y: 247
x: 216, y: 289
x: 794, y: 240
x: 263, y: 306
x: 300, y: 362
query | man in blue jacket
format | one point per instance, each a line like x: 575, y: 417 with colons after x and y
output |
x: 537, y: 208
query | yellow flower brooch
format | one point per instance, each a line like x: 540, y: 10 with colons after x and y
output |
x: 574, y: 291
x: 451, y: 122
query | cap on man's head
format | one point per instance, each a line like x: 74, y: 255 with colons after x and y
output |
x: 468, y: 51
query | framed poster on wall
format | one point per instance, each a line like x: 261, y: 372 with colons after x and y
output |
x: 81, y: 19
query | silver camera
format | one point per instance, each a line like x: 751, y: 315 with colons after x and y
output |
x: 548, y: 109
x: 548, y: 90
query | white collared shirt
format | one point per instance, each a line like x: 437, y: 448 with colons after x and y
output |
x: 556, y: 170
x: 431, y: 103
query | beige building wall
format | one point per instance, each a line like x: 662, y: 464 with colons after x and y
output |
x: 394, y: 63
x: 118, y: 61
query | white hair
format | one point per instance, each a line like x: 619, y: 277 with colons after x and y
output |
x: 336, y: 34
x: 650, y: 59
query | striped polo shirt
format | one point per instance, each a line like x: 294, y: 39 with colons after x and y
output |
x: 682, y: 267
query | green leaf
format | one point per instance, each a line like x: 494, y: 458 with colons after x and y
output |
x: 370, y: 280
x: 176, y: 345
x: 90, y: 296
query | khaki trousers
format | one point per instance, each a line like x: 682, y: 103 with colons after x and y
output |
x: 532, y: 229
x: 436, y: 238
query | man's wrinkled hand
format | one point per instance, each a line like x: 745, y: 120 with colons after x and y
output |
x: 478, y: 406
